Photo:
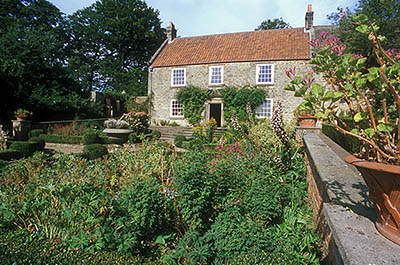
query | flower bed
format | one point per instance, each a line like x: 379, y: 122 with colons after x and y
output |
x: 229, y: 204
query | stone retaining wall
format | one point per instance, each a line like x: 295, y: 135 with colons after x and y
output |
x: 342, y: 211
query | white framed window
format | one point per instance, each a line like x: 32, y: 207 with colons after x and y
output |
x: 265, y: 74
x: 176, y: 109
x: 265, y: 109
x: 178, y: 77
x: 216, y: 75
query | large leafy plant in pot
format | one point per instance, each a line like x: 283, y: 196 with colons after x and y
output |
x: 370, y: 96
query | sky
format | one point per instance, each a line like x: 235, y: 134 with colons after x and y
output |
x: 204, y: 17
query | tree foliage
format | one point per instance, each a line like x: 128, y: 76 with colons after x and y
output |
x: 32, y: 58
x: 276, y: 23
x: 384, y: 13
x: 112, y: 42
x: 49, y: 62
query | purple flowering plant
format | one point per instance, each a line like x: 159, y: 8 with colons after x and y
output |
x: 349, y: 87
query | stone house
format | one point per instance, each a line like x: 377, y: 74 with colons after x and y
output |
x: 256, y: 58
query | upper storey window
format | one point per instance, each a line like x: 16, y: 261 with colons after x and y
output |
x: 265, y: 74
x: 178, y: 77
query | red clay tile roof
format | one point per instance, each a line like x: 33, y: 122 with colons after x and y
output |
x: 265, y: 45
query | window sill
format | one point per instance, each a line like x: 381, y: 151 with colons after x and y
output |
x: 176, y: 118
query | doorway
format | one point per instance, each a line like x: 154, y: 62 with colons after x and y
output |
x: 215, y: 112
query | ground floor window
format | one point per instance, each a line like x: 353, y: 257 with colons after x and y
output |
x: 265, y: 109
x: 176, y: 109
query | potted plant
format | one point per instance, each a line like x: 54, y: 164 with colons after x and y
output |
x: 22, y: 114
x: 370, y: 96
x: 305, y: 116
x: 117, y: 130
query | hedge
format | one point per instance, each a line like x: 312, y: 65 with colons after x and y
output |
x: 52, y: 138
x: 92, y: 138
x: 8, y: 155
x: 36, y: 132
x: 179, y: 139
x: 94, y: 151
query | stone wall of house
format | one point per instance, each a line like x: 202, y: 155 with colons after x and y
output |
x: 235, y: 74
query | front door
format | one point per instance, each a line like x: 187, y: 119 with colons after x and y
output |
x: 215, y: 112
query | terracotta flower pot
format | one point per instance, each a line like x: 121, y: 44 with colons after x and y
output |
x: 307, y: 121
x: 383, y: 183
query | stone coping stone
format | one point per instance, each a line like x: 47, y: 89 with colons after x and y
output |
x: 347, y: 208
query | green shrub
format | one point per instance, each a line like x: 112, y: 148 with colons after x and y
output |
x: 233, y: 234
x: 192, y: 99
x: 178, y: 139
x: 139, y: 211
x: 39, y: 143
x: 62, y: 139
x: 36, y: 132
x: 91, y: 137
x: 134, y: 138
x: 347, y: 142
x: 237, y: 99
x: 186, y: 145
x: 156, y: 134
x: 94, y: 151
x: 266, y: 139
x: 24, y: 147
x: 8, y: 155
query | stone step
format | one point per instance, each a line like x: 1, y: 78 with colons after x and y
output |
x: 169, y: 133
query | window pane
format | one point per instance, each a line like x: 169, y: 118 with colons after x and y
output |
x: 178, y: 77
x: 265, y: 109
x: 216, y: 75
x: 176, y: 109
x: 264, y: 73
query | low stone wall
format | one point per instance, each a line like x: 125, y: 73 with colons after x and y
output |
x: 343, y: 214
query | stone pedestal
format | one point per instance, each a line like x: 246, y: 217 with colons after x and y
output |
x: 21, y: 129
x: 118, y: 136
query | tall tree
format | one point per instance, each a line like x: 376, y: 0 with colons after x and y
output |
x: 32, y: 59
x: 385, y: 13
x: 113, y: 41
x: 277, y: 23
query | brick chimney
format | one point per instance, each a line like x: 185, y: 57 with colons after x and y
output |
x: 171, y: 32
x: 309, y: 19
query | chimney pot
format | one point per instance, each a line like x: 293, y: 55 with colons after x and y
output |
x: 171, y: 32
x: 309, y: 19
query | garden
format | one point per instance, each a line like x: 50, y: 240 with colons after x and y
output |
x: 242, y: 200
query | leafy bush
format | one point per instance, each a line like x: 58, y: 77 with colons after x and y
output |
x: 237, y: 99
x: 24, y: 147
x: 179, y: 139
x: 134, y: 138
x: 63, y: 139
x: 138, y: 121
x: 8, y: 155
x: 156, y: 134
x: 36, y: 132
x: 349, y: 143
x: 192, y: 99
x: 266, y: 139
x: 39, y: 143
x: 91, y: 137
x: 138, y: 214
x: 94, y: 151
x: 234, y: 234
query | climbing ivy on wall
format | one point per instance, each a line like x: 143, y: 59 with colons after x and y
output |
x: 237, y: 98
x: 193, y: 99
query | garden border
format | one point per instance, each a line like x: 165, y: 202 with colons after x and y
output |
x: 342, y: 212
